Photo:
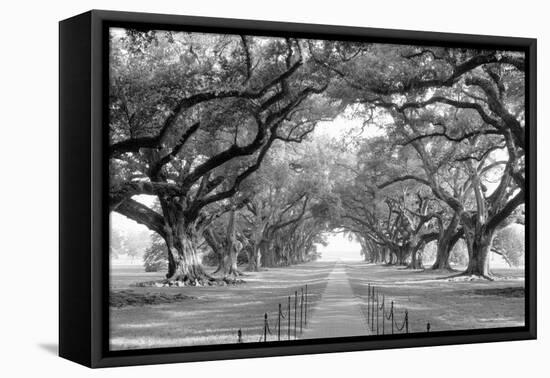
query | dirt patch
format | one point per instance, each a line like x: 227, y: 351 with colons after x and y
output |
x: 508, y: 292
x: 125, y: 298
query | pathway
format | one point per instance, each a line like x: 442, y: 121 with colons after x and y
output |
x: 338, y: 313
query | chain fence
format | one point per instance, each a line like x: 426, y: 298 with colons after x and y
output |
x: 377, y: 314
x: 381, y: 318
x: 282, y: 319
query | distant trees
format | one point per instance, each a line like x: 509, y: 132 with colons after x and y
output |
x: 129, y: 243
x: 155, y: 257
x: 509, y: 243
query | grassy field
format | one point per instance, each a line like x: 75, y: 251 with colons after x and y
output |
x: 447, y: 304
x: 213, y: 314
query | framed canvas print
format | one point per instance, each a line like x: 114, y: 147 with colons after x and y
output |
x: 234, y: 188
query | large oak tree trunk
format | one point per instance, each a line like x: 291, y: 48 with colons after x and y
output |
x: 478, y: 241
x: 416, y: 259
x: 402, y: 254
x: 217, y: 248
x: 268, y: 254
x: 226, y: 253
x: 444, y: 248
x: 184, y: 267
x: 445, y: 244
x: 254, y: 257
x: 232, y: 247
x: 392, y: 257
x: 229, y: 264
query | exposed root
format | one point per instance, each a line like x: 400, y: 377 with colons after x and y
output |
x: 442, y: 270
x: 182, y: 281
x: 465, y: 276
x: 239, y: 273
x: 123, y: 298
x: 231, y: 281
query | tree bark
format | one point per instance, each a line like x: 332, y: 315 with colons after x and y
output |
x: 416, y: 260
x: 478, y: 241
x: 254, y: 257
x: 444, y: 248
x: 232, y: 247
x: 268, y: 252
x: 215, y: 245
x: 184, y: 267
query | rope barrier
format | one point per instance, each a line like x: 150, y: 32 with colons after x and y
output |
x: 405, y: 321
x: 374, y: 307
x: 391, y: 312
x: 281, y: 315
x: 267, y: 325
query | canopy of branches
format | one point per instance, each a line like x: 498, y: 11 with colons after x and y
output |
x: 225, y: 132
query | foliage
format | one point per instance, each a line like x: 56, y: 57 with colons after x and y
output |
x: 510, y: 241
x: 155, y: 258
x: 221, y: 129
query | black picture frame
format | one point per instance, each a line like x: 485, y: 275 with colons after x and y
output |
x: 83, y: 236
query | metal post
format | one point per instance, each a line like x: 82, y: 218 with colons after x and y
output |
x: 391, y: 314
x: 372, y: 311
x: 239, y: 336
x: 406, y: 321
x: 288, y: 317
x: 368, y: 303
x: 279, y: 325
x: 301, y: 308
x: 377, y: 308
x: 295, y: 311
x: 305, y: 312
x: 265, y: 327
x: 383, y: 314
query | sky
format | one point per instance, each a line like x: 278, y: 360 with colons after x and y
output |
x: 339, y: 248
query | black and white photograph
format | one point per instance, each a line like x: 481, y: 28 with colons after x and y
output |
x: 275, y: 189
x: 270, y: 189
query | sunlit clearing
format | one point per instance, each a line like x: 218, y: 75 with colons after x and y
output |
x: 339, y: 247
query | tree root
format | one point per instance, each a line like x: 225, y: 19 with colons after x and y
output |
x: 184, y: 281
x: 465, y: 276
x: 447, y: 269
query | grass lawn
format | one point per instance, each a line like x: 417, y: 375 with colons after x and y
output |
x: 211, y: 315
x: 445, y: 304
x: 174, y: 316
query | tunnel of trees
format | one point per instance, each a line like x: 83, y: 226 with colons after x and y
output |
x: 220, y: 130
